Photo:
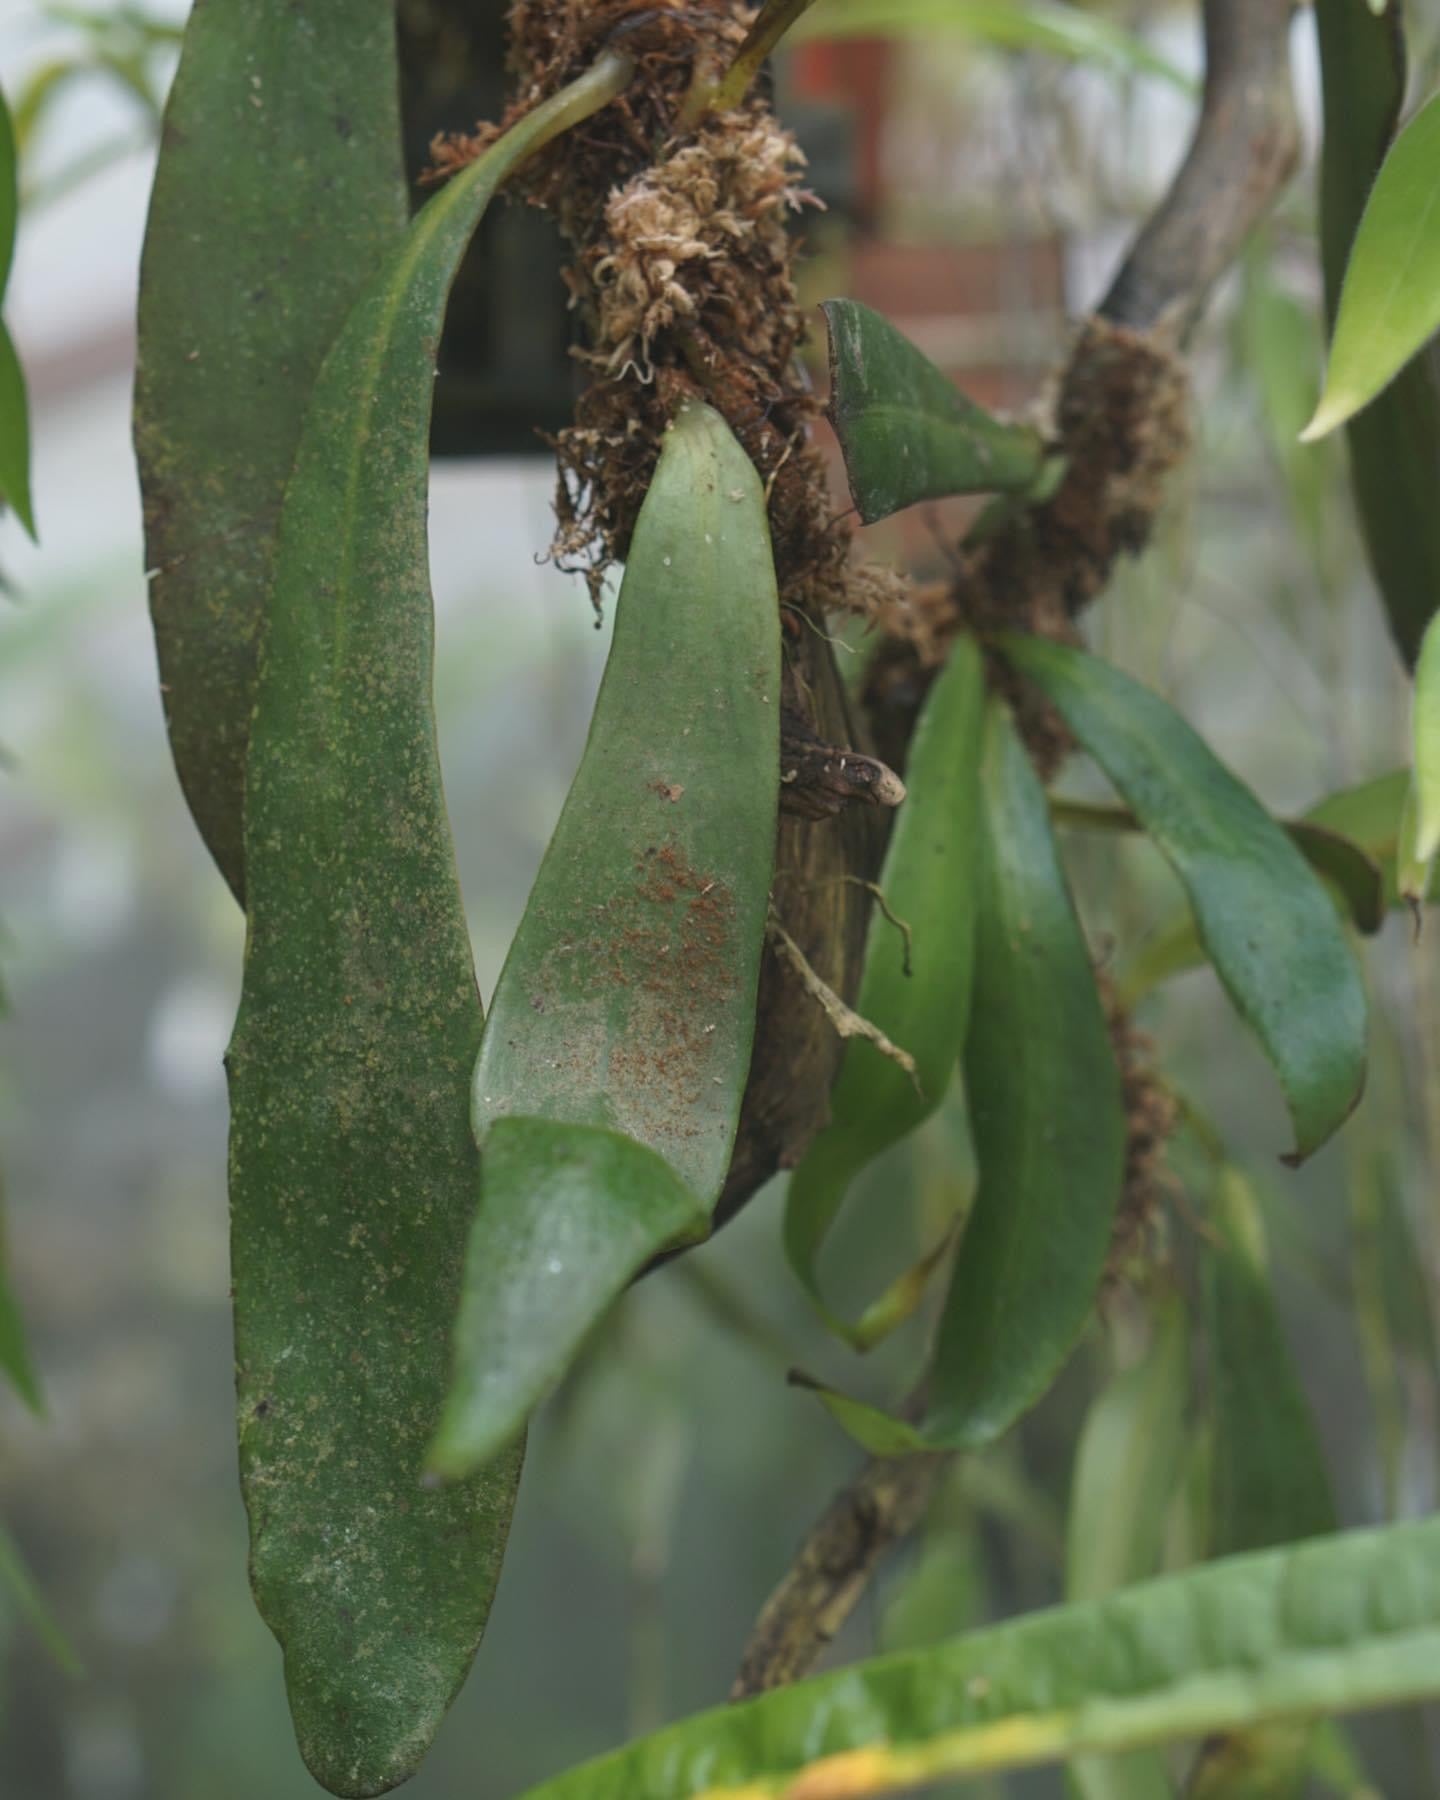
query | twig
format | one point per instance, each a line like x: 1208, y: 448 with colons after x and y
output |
x: 847, y: 1022
x: 1244, y: 151
x: 881, y: 1506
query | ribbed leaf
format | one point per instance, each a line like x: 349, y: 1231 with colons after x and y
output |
x: 353, y: 1171
x: 1049, y: 1133
x: 1335, y: 1625
x: 1395, y: 441
x: 1040, y: 25
x: 907, y: 431
x: 1263, y: 918
x: 278, y: 191
x: 627, y: 1002
x: 1390, y: 299
x: 918, y: 962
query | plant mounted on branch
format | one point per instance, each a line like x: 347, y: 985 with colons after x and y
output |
x: 779, y: 919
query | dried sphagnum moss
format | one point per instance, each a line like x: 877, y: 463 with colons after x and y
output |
x: 682, y: 282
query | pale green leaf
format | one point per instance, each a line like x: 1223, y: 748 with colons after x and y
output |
x: 1390, y: 301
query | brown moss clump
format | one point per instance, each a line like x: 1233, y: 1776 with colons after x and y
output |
x: 682, y: 280
x: 1150, y: 1120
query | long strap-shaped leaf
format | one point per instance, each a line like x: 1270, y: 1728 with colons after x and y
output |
x: 1335, y: 1625
x: 1049, y: 1133
x: 1262, y: 915
x: 627, y: 1002
x: 279, y: 188
x: 918, y: 962
x: 353, y: 1172
x: 1395, y: 442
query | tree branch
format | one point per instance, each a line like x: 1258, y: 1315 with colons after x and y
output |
x: 1244, y: 150
x: 883, y: 1505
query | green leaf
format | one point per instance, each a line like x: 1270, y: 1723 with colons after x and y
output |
x: 1048, y: 1128
x: 1331, y: 1626
x: 571, y: 1214
x: 907, y: 431
x: 627, y: 1002
x: 1039, y: 25
x: 1126, y: 1465
x: 9, y: 193
x: 1395, y: 441
x: 14, y: 1351
x: 1262, y: 916
x: 1351, y: 871
x: 1426, y: 744
x: 16, y: 1580
x: 1270, y: 1483
x: 353, y: 1171
x: 1390, y: 299
x: 14, y: 436
x: 916, y: 981
x: 275, y: 136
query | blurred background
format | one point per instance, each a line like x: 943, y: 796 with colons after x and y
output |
x: 981, y: 198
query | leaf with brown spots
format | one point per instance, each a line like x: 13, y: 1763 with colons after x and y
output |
x: 627, y: 1003
x: 352, y: 1167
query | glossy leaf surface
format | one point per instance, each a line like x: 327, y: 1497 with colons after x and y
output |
x: 916, y: 981
x: 1039, y: 25
x: 1335, y: 1625
x: 1048, y: 1129
x: 571, y: 1215
x: 1390, y: 298
x: 1349, y: 868
x: 628, y: 998
x: 1395, y: 442
x: 278, y: 191
x: 907, y: 431
x: 353, y: 1172
x: 1264, y: 920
